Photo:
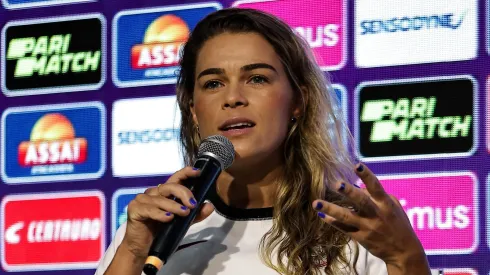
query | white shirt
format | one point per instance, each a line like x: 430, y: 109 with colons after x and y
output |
x: 227, y: 242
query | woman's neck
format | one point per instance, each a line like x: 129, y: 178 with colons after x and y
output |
x: 253, y: 187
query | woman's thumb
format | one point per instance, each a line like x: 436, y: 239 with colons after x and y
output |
x: 205, y: 211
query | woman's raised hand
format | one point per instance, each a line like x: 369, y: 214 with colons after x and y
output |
x: 378, y: 223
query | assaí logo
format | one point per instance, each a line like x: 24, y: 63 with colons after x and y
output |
x: 322, y: 23
x: 150, y: 54
x: 71, y: 224
x: 64, y: 54
x: 416, y: 118
x: 415, y: 32
x: 146, y: 137
x: 53, y: 142
x: 449, y: 209
x: 162, y: 43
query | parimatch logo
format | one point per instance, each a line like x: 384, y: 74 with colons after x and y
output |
x: 49, y: 55
x: 420, y: 118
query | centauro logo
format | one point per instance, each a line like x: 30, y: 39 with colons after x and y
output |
x: 407, y: 119
x: 416, y: 118
x: 50, y: 55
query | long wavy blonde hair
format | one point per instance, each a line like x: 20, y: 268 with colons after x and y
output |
x: 316, y: 154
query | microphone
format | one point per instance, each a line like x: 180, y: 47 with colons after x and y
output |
x: 216, y: 153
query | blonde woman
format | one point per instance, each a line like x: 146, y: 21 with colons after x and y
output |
x: 285, y: 205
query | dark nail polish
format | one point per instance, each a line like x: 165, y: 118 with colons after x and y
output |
x: 183, y: 207
x: 195, y: 169
x: 319, y: 205
x: 321, y: 215
x: 168, y: 214
x: 360, y: 168
x: 193, y: 201
x: 342, y: 187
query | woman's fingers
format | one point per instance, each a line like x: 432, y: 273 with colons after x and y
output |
x: 141, y: 209
x: 184, y: 173
x: 372, y: 183
x: 170, y: 206
x: 205, y: 211
x: 337, y: 216
x: 179, y: 191
x: 174, y: 187
x: 363, y: 203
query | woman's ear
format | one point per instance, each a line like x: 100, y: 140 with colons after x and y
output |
x: 193, y: 112
x: 299, y: 102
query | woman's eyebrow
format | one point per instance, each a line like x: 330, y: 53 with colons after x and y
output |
x: 248, y: 67
x: 211, y: 71
x: 254, y: 66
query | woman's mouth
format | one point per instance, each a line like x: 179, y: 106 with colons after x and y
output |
x: 236, y: 127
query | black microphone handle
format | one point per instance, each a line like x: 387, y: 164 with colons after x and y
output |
x: 170, y: 235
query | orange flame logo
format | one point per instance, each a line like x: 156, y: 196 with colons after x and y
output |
x: 52, y: 141
x: 161, y: 43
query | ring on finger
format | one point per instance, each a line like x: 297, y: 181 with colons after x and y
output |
x: 353, y: 209
x: 158, y: 189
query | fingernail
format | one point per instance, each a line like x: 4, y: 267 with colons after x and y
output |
x: 360, y: 168
x: 195, y: 169
x: 319, y: 205
x: 342, y: 187
x: 193, y: 201
x: 321, y: 215
x: 168, y: 214
x: 183, y: 207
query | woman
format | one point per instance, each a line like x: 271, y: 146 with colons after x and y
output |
x: 285, y: 205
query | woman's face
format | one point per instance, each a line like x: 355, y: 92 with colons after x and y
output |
x: 242, y: 92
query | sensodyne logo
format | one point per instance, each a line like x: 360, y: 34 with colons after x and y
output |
x: 425, y: 118
x: 415, y: 23
x: 145, y: 139
x: 415, y: 32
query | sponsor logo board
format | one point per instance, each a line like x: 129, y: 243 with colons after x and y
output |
x: 119, y: 206
x: 322, y: 23
x: 53, y: 142
x: 145, y: 137
x: 488, y: 210
x: 341, y: 94
x: 416, y: 118
x: 53, y: 55
x: 65, y: 231
x: 147, y: 42
x: 22, y: 4
x: 415, y: 32
x: 449, y: 209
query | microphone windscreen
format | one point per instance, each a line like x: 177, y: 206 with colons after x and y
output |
x: 218, y: 147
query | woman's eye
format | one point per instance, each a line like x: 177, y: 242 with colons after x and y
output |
x: 257, y: 79
x: 212, y: 85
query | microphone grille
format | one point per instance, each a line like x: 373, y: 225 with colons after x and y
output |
x: 220, y: 147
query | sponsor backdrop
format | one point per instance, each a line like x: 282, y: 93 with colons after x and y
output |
x: 88, y: 115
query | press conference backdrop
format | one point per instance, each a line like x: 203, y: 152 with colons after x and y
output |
x: 89, y: 116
